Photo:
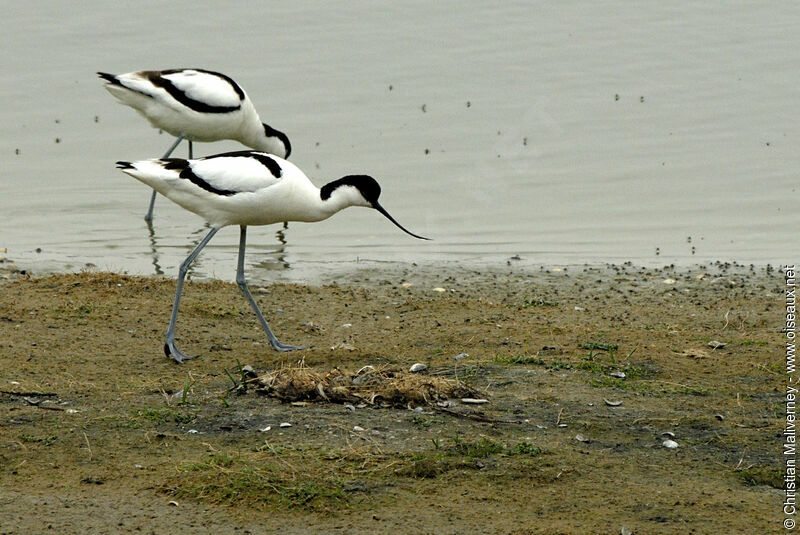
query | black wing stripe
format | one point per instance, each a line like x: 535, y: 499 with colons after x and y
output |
x: 158, y: 80
x: 264, y: 159
x: 187, y: 174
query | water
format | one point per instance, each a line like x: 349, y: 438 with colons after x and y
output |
x: 589, y: 132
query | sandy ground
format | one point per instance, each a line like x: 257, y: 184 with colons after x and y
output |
x: 100, y: 433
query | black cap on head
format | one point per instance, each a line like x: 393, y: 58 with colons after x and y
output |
x: 369, y: 189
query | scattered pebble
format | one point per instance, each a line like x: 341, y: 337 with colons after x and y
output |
x: 619, y: 375
x: 715, y: 344
x: 266, y: 429
x: 358, y: 428
x: 286, y: 424
x: 581, y: 438
x: 461, y: 356
x: 418, y: 367
x: 347, y: 325
x: 669, y: 281
x: 192, y: 431
x: 671, y: 444
x: 439, y: 289
x: 579, y: 309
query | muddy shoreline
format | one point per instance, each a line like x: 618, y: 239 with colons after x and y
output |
x: 588, y: 370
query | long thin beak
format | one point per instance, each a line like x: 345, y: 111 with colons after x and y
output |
x: 380, y: 208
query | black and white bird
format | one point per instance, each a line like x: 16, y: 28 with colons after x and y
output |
x: 248, y: 188
x: 196, y: 105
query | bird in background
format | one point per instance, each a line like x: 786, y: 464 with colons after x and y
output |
x: 248, y: 188
x: 196, y: 105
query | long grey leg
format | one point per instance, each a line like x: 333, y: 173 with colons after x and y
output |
x: 191, y: 152
x: 149, y: 215
x: 240, y: 280
x: 170, y: 348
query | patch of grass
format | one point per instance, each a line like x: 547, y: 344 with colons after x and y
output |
x: 761, y: 475
x: 226, y: 479
x: 73, y: 310
x: 420, y: 421
x: 426, y: 466
x: 610, y: 382
x: 537, y: 302
x: 475, y: 450
x: 753, y: 343
x: 45, y: 441
x: 525, y: 448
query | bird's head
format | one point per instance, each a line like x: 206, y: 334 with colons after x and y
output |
x: 360, y: 190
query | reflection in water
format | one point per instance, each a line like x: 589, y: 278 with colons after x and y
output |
x: 154, y: 247
x: 275, y: 255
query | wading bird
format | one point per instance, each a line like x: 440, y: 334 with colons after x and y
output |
x: 196, y: 105
x: 248, y: 188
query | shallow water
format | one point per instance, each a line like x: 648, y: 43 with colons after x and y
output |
x: 594, y: 132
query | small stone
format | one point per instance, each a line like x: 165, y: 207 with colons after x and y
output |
x: 619, y: 375
x: 439, y: 289
x: 358, y: 428
x: 669, y: 443
x: 668, y: 281
x: 715, y: 344
x: 581, y: 438
x: 418, y: 367
x: 264, y: 430
x: 286, y: 424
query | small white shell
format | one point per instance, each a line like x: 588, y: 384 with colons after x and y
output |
x: 418, y: 367
x: 669, y: 443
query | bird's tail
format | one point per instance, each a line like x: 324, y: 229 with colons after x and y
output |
x: 110, y: 78
x: 125, y: 165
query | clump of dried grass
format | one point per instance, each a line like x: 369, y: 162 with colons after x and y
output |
x: 374, y: 386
